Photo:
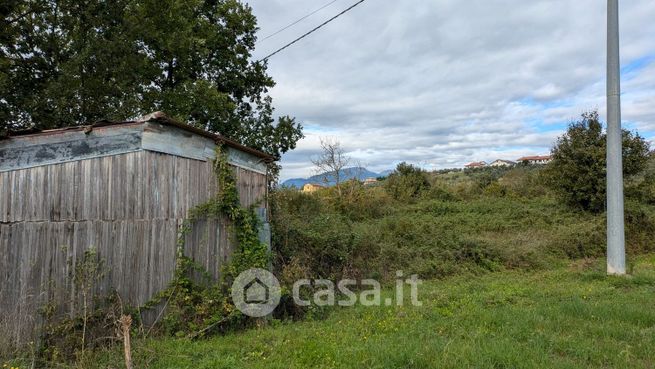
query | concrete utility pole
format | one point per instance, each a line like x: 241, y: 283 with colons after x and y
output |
x: 615, y: 220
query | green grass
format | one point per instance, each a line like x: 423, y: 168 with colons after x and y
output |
x: 570, y: 317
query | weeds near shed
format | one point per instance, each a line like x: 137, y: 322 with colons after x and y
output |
x: 93, y: 320
x: 61, y: 338
x: 86, y: 273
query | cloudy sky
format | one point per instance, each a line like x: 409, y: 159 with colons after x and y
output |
x: 440, y: 83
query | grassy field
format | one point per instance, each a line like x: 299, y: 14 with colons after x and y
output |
x: 570, y: 317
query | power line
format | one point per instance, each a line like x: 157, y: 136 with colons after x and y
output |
x: 312, y: 31
x: 298, y: 21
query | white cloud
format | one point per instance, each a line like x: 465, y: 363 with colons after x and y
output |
x: 442, y: 83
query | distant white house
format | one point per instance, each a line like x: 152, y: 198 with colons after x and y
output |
x: 369, y: 181
x: 502, y: 163
x: 544, y: 159
x: 476, y: 164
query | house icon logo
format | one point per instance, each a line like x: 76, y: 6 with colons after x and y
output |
x: 256, y: 292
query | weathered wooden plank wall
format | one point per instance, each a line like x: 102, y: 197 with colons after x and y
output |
x: 129, y: 207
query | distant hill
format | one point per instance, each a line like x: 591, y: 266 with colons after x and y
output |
x: 295, y: 182
x: 346, y: 174
x: 386, y: 173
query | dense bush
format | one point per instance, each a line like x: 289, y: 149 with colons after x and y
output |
x: 578, y: 169
x: 641, y: 187
x: 524, y: 181
x: 359, y: 202
x: 406, y: 182
x: 640, y: 226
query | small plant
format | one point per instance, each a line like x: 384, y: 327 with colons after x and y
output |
x: 60, y: 338
x: 86, y: 273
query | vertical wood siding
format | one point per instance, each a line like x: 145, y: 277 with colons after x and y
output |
x: 129, y: 207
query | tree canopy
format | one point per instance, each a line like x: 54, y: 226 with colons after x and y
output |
x: 578, y: 169
x: 68, y: 62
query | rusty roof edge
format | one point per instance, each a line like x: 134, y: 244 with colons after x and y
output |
x: 158, y: 117
x: 8, y: 134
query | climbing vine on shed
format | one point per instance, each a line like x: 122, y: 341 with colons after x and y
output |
x: 194, y: 304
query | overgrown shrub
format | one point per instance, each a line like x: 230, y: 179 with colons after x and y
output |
x: 641, y: 188
x: 321, y: 242
x: 440, y: 190
x: 407, y: 182
x: 359, y: 202
x: 67, y: 339
x: 68, y: 334
x: 578, y: 169
x: 640, y: 227
x: 524, y: 181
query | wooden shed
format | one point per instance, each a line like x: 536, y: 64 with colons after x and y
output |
x: 122, y: 188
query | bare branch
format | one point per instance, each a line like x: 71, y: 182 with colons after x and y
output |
x: 331, y: 162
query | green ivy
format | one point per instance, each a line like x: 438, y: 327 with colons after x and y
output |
x: 194, y: 304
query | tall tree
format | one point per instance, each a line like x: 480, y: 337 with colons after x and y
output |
x: 66, y: 62
x: 578, y: 169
